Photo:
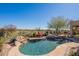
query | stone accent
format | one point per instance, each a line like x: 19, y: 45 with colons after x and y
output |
x: 21, y: 39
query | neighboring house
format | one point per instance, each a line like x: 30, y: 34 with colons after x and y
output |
x: 74, y: 27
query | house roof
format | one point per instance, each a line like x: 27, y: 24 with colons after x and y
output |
x: 74, y: 23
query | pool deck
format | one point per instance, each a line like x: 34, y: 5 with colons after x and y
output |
x: 15, y: 50
x: 63, y: 49
x: 60, y: 50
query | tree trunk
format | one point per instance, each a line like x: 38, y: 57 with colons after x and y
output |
x: 57, y: 32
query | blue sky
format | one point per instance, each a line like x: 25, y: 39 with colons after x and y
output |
x: 35, y: 15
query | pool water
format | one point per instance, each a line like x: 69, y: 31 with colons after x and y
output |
x: 38, y: 48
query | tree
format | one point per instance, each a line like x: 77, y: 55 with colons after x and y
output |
x: 6, y: 33
x: 57, y: 23
x: 10, y: 28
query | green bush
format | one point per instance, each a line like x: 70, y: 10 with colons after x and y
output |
x: 74, y: 54
x: 2, y: 41
x: 77, y: 35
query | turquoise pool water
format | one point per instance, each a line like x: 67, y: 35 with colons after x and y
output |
x: 38, y: 48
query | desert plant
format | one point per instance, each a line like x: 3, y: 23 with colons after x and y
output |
x: 2, y: 41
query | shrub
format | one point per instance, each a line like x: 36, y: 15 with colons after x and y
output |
x: 2, y: 41
x: 77, y: 36
x: 73, y: 52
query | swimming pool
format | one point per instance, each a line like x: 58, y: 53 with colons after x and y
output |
x: 38, y: 48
